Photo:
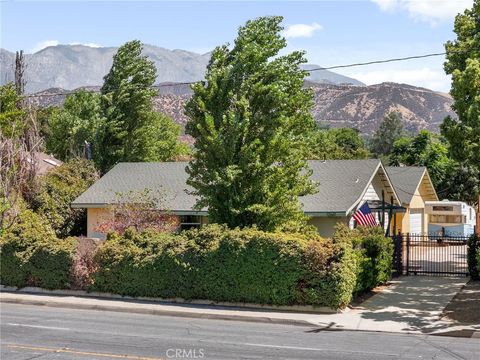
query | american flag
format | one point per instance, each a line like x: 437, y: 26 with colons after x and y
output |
x: 363, y: 216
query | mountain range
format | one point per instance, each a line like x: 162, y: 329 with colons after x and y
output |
x: 73, y: 66
x: 340, y: 101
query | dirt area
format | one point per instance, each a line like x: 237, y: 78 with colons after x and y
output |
x: 465, y: 306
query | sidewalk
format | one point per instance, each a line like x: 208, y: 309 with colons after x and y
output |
x: 410, y: 305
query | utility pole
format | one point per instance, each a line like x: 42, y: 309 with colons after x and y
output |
x: 477, y: 225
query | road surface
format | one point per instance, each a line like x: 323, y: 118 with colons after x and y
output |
x: 38, y: 332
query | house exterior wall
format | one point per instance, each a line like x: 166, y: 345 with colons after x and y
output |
x: 96, y: 217
x: 417, y: 203
x: 326, y: 225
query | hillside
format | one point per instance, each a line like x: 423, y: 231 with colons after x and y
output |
x: 339, y: 105
x: 73, y: 66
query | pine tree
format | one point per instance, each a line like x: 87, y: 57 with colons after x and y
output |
x: 248, y: 119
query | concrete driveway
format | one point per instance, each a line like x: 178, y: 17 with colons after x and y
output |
x: 412, y: 304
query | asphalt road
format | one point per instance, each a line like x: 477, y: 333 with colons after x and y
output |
x: 38, y: 332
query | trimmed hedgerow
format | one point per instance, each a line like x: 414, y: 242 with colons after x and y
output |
x: 373, y: 253
x: 31, y: 254
x: 473, y: 256
x: 222, y: 264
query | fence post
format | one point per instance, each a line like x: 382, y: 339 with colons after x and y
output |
x: 408, y: 253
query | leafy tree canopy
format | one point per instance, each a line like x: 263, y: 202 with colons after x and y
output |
x: 132, y: 130
x: 11, y: 116
x: 57, y: 190
x: 74, y: 125
x: 463, y: 63
x: 337, y: 144
x: 248, y: 119
x: 425, y: 149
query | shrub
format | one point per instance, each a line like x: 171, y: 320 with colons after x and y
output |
x: 473, y: 252
x: 57, y: 189
x: 31, y: 254
x: 219, y: 264
x: 84, y: 265
x: 373, y: 253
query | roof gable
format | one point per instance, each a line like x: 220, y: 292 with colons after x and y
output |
x: 407, y: 180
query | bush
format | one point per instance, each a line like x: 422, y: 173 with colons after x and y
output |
x: 473, y: 254
x: 373, y: 253
x: 31, y: 254
x: 57, y: 190
x: 219, y: 264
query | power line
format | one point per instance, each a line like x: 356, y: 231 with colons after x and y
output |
x: 373, y: 62
x: 378, y: 61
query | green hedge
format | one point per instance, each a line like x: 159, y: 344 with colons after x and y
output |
x: 373, y: 252
x: 31, y: 254
x: 220, y: 264
x: 473, y: 256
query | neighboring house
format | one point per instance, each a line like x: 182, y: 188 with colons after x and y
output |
x: 44, y: 163
x: 450, y: 218
x: 344, y: 185
x: 414, y: 187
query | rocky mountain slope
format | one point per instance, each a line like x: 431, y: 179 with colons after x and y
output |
x: 73, y: 66
x: 338, y: 105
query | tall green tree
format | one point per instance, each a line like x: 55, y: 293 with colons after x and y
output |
x: 463, y: 63
x: 390, y: 130
x: 425, y: 149
x: 248, y: 121
x: 56, y: 191
x: 132, y: 130
x: 74, y: 125
x: 334, y: 144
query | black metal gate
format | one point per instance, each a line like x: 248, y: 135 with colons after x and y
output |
x: 430, y: 255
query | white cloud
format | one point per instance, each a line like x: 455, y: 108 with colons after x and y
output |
x: 424, y: 77
x: 301, y: 30
x: 432, y: 11
x: 42, y: 45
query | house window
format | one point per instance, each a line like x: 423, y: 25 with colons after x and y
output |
x: 189, y: 221
x: 442, y: 208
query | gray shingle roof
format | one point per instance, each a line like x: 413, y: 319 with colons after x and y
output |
x: 342, y: 183
x: 168, y: 177
x: 406, y: 180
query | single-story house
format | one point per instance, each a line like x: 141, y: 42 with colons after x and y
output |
x: 344, y: 185
x: 414, y: 188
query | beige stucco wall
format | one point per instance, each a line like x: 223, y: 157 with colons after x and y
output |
x: 96, y: 217
x: 326, y: 225
x: 418, y: 202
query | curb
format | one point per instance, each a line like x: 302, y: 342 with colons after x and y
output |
x: 186, y: 314
x: 305, y: 309
x: 22, y: 298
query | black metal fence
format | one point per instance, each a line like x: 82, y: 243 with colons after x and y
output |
x: 430, y: 255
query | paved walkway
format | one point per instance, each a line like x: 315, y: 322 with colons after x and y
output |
x: 411, y: 304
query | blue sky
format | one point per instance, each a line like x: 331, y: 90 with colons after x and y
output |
x: 332, y: 32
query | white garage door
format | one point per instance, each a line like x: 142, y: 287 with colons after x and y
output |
x: 416, y: 221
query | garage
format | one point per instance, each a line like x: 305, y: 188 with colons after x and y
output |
x: 416, y: 221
